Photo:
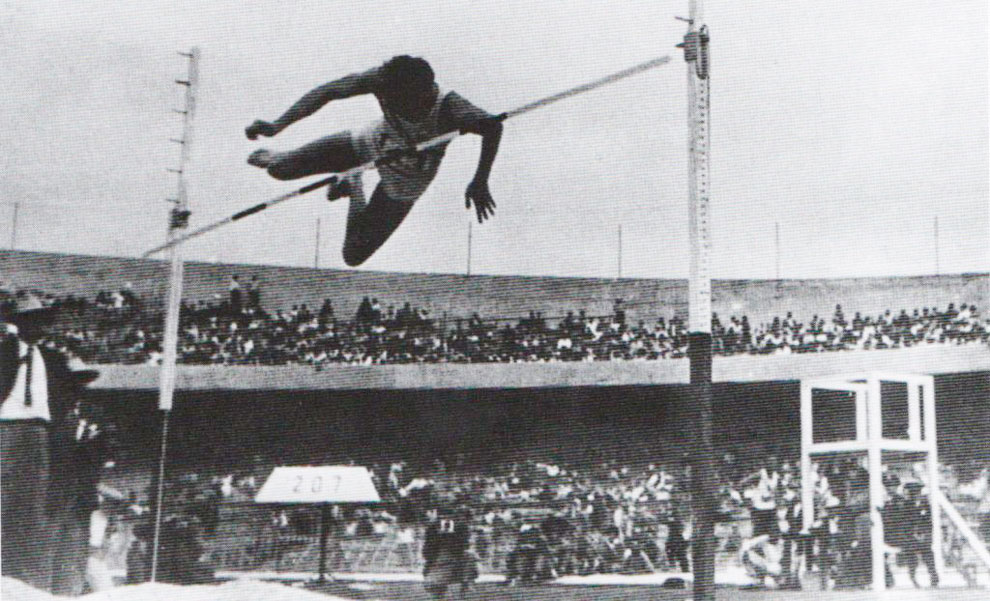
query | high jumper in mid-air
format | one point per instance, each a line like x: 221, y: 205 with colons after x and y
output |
x: 400, y: 146
x: 414, y: 110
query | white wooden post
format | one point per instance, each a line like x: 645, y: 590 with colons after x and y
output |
x: 875, y: 462
x: 914, y: 412
x: 862, y: 415
x: 934, y: 486
x: 177, y: 222
x: 807, y: 439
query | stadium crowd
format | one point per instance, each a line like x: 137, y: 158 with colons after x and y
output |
x: 602, y: 518
x: 534, y: 520
x: 235, y: 329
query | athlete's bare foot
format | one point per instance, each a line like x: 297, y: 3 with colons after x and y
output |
x: 260, y: 158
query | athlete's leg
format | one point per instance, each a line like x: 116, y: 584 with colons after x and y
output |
x: 370, y: 224
x: 331, y: 154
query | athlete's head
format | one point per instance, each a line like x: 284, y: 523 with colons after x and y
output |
x: 408, y: 85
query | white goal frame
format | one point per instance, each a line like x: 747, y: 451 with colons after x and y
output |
x: 921, y: 440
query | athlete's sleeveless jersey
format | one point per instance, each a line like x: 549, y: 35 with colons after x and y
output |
x: 405, y: 179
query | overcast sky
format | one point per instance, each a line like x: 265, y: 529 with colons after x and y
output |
x: 851, y: 124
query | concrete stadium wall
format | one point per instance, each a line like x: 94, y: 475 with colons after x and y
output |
x: 931, y: 360
x: 491, y: 296
x: 570, y: 424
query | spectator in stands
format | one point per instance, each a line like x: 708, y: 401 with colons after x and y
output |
x: 376, y: 311
x: 525, y: 561
x: 139, y: 552
x: 839, y: 318
x: 365, y: 526
x: 446, y: 556
x: 81, y: 446
x: 326, y: 310
x: 254, y: 293
x: 789, y: 525
x: 130, y: 299
x: 212, y: 332
x: 619, y: 314
x: 364, y: 316
x: 97, y: 572
x: 36, y: 387
x: 558, y: 531
x: 676, y: 545
x: 919, y: 511
x: 181, y: 553
x: 235, y: 294
x: 950, y: 314
x: 897, y: 511
x: 761, y: 490
x: 747, y: 334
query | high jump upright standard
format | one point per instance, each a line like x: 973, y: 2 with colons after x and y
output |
x: 178, y: 219
x: 700, y: 307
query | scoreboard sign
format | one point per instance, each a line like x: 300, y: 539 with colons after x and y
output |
x: 319, y: 484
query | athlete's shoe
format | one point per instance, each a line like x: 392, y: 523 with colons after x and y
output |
x: 178, y: 218
x: 339, y: 189
x: 260, y: 158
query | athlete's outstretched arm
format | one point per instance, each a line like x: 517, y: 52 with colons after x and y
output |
x: 345, y: 87
x: 467, y: 118
x: 477, y: 191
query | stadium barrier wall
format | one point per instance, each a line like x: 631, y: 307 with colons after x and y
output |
x: 745, y: 368
x: 458, y: 296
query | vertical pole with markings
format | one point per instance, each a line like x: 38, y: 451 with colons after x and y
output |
x: 178, y: 219
x: 938, y: 270
x: 700, y: 306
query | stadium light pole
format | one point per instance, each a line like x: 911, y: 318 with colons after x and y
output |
x: 13, y: 226
x: 618, y: 267
x: 316, y: 249
x: 700, y: 306
x: 469, y: 242
x: 935, y: 232
x: 776, y: 249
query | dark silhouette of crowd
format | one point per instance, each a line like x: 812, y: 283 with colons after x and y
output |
x: 607, y: 517
x: 235, y: 329
x: 540, y: 519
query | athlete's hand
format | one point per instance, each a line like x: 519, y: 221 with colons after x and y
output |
x: 260, y: 128
x: 484, y: 204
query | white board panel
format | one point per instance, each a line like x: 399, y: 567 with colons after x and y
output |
x: 318, y: 484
